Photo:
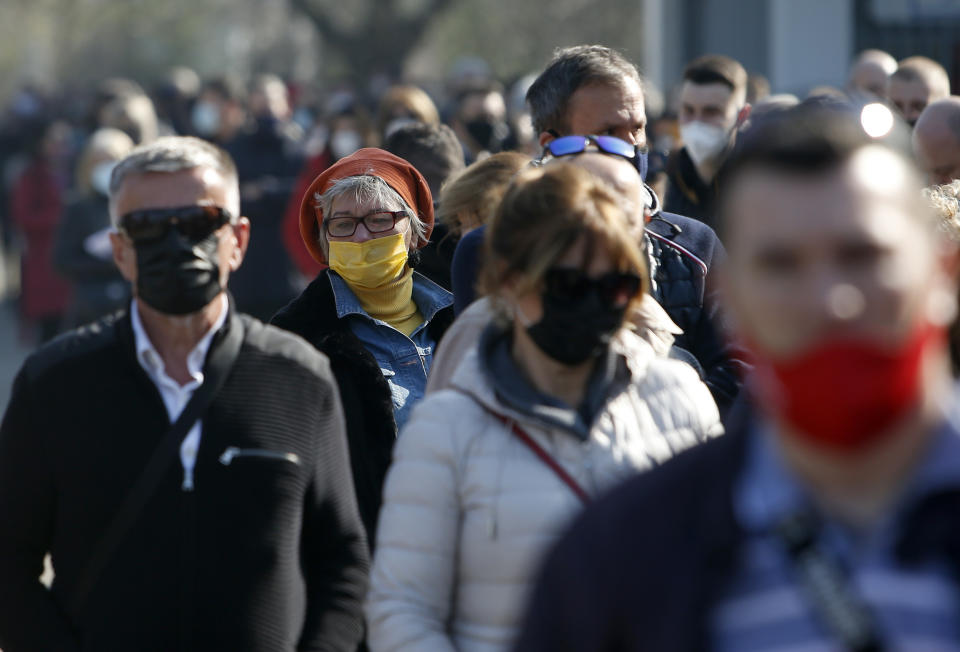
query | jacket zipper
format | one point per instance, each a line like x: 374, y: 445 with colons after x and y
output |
x: 232, y: 451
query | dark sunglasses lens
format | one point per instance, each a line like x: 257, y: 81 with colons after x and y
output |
x: 613, y: 145
x: 567, y: 145
x: 193, y: 222
x: 568, y: 283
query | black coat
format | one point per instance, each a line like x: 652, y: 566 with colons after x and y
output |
x: 367, y: 401
x: 264, y: 555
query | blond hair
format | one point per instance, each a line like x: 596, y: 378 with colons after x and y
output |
x: 469, y: 199
x: 544, y: 212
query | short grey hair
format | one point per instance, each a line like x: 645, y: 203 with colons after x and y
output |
x: 570, y: 69
x: 368, y: 188
x: 175, y: 154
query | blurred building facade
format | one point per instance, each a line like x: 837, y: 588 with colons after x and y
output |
x: 797, y: 44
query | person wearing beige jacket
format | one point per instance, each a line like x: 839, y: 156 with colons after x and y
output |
x: 556, y: 402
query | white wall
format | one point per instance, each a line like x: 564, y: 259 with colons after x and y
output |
x: 810, y: 44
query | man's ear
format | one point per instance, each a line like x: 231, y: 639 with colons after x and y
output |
x: 241, y: 234
x: 545, y: 137
x: 124, y: 256
x: 744, y: 114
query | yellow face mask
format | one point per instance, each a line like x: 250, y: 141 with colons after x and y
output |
x: 371, y: 264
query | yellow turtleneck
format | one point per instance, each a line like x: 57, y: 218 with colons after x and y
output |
x: 392, y: 303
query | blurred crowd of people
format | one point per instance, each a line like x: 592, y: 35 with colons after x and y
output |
x: 577, y: 365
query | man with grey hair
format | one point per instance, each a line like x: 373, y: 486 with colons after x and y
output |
x: 936, y: 140
x: 366, y: 217
x: 594, y: 90
x: 184, y: 465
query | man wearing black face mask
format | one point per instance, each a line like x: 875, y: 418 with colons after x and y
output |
x: 194, y: 452
x: 480, y: 122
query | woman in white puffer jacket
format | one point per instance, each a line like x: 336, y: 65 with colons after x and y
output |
x: 541, y: 415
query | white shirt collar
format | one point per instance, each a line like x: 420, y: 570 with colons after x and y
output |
x: 150, y: 359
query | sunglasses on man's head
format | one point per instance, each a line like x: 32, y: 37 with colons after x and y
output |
x: 614, y: 288
x: 570, y: 145
x: 193, y: 222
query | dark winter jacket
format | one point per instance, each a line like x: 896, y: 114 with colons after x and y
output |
x: 645, y: 566
x: 366, y: 397
x: 682, y: 254
x: 265, y: 554
x: 687, y: 194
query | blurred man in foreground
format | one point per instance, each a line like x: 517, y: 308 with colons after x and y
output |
x: 184, y: 465
x: 826, y: 517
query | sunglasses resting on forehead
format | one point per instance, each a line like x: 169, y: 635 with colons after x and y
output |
x: 193, y: 222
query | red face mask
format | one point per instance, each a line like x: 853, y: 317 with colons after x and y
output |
x: 845, y: 393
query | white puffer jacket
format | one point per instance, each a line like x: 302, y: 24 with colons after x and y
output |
x: 469, y: 509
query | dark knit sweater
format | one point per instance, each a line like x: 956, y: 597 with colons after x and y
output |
x: 367, y: 401
x: 266, y: 554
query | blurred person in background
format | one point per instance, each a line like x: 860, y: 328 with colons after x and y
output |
x: 400, y: 106
x: 556, y: 402
x: 826, y: 517
x: 132, y: 114
x: 467, y: 203
x: 869, y: 74
x: 479, y: 119
x: 82, y: 252
x: 713, y: 105
x: 36, y: 208
x: 344, y: 128
x: 592, y: 89
x: 758, y: 88
x: 915, y: 83
x: 377, y: 319
x: 173, y: 99
x: 433, y: 149
x: 936, y: 140
x: 268, y: 158
x: 219, y: 112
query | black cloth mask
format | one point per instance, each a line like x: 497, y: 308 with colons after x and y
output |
x: 176, y: 275
x: 488, y: 134
x: 572, y: 331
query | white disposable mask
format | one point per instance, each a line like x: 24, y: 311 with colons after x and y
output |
x: 703, y: 141
x: 100, y: 177
x: 344, y: 143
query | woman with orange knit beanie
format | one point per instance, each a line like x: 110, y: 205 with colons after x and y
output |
x: 376, y: 318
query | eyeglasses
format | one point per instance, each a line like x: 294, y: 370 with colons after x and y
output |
x: 193, y: 222
x: 570, y: 145
x: 614, y: 288
x: 375, y: 222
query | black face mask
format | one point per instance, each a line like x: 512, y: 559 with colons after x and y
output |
x: 177, y: 275
x: 573, y: 331
x: 488, y: 134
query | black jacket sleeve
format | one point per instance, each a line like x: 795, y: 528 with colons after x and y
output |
x: 30, y: 619
x: 334, y: 554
